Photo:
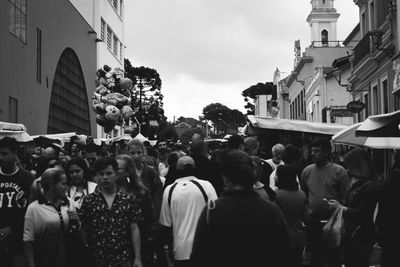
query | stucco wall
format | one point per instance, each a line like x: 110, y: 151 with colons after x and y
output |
x: 62, y: 27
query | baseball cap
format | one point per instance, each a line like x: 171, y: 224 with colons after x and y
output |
x: 185, y: 163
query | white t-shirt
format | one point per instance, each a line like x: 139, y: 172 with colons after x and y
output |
x: 273, y: 173
x: 76, y: 198
x: 43, y: 227
x: 187, y: 202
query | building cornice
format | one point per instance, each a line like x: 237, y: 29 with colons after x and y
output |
x: 297, y: 69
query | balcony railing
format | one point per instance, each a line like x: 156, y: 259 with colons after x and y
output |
x: 364, y: 48
x: 316, y: 44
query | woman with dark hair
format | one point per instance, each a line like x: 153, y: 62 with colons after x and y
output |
x: 359, y: 208
x: 293, y: 204
x: 46, y: 221
x: 240, y: 228
x: 129, y: 181
x: 79, y: 183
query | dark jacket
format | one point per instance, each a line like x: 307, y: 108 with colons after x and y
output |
x: 388, y: 219
x: 206, y: 169
x: 360, y: 230
x: 242, y: 230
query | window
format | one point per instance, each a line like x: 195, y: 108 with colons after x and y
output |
x: 38, y: 55
x: 385, y: 102
x: 18, y: 19
x: 396, y: 99
x: 382, y: 10
x: 375, y: 100
x: 366, y: 101
x: 291, y: 111
x: 120, y: 51
x: 121, y: 8
x: 12, y: 109
x: 302, y: 103
x: 109, y: 37
x: 102, y: 29
x: 363, y: 24
x: 372, y: 15
x: 69, y: 108
x: 324, y: 38
x: 115, y: 45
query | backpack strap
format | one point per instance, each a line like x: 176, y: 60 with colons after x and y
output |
x: 194, y: 182
x: 210, y: 206
x: 170, y: 193
x: 201, y: 189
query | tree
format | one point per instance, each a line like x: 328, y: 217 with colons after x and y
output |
x: 223, y: 118
x: 253, y: 91
x: 146, y: 96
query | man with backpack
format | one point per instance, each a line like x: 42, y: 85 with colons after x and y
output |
x: 183, y: 201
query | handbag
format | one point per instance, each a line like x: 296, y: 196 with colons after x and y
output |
x: 333, y: 230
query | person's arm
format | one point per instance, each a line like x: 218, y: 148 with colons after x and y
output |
x: 5, y: 233
x: 28, y: 249
x: 135, y: 238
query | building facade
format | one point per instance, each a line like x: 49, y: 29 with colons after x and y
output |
x: 47, y: 67
x: 106, y: 17
x: 309, y: 92
x: 375, y: 60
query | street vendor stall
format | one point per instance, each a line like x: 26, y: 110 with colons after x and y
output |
x: 297, y: 132
x: 16, y: 130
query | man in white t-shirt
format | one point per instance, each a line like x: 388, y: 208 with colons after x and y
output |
x: 274, y: 162
x: 183, y: 201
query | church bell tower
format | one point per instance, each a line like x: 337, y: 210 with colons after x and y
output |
x: 322, y: 20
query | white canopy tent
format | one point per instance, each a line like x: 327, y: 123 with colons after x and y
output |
x: 292, y: 125
x: 63, y: 137
x: 16, y: 130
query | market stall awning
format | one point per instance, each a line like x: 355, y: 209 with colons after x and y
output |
x: 383, y: 125
x: 15, y: 130
x: 47, y: 139
x: 292, y: 125
x: 347, y: 136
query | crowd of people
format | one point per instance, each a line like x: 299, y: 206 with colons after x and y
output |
x: 137, y: 205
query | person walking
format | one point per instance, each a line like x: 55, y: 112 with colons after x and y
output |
x: 205, y: 169
x: 387, y: 219
x: 320, y: 181
x: 129, y: 181
x: 293, y: 203
x: 359, y: 208
x: 109, y: 219
x: 46, y: 223
x: 240, y: 228
x: 251, y: 146
x: 79, y: 181
x: 15, y: 184
x: 272, y: 164
x: 182, y: 204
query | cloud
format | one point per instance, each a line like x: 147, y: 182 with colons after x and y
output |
x: 214, y: 49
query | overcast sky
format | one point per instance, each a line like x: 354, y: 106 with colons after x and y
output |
x: 209, y: 51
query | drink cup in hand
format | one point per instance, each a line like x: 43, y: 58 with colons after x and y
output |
x: 74, y: 224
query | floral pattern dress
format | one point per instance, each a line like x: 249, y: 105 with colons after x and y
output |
x: 108, y: 229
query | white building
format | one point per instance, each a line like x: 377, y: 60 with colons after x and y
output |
x: 106, y: 17
x: 311, y: 93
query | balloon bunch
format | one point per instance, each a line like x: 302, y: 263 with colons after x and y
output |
x: 112, y: 98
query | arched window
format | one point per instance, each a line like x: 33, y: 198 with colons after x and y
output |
x: 69, y: 108
x: 324, y: 38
